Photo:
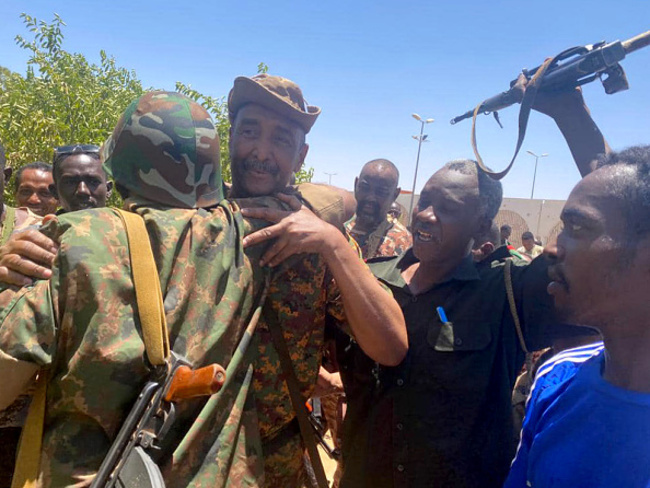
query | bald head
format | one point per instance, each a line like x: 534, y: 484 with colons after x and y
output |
x: 383, y: 167
x: 375, y: 189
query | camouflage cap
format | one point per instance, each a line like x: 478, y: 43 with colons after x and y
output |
x: 165, y: 149
x: 275, y: 93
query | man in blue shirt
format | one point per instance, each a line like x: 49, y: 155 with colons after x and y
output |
x: 588, y: 418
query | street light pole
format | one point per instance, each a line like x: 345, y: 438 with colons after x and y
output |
x: 532, y: 191
x: 330, y: 176
x: 421, y: 138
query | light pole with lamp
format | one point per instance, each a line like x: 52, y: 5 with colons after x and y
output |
x: 532, y: 191
x: 330, y: 177
x: 421, y: 138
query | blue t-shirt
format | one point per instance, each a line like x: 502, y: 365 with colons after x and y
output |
x: 580, y: 430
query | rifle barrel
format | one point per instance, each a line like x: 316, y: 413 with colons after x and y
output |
x: 637, y: 42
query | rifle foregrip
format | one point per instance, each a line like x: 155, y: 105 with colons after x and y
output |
x: 189, y: 383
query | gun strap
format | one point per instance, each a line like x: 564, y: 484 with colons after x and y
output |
x: 146, y: 283
x: 8, y: 224
x: 297, y: 399
x: 524, y: 113
x: 507, y: 274
x: 28, y: 459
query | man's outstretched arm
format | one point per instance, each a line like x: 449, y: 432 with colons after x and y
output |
x: 373, y: 315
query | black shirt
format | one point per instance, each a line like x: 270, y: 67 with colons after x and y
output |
x: 443, y: 417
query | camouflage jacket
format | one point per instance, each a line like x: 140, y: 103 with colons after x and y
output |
x: 388, y: 239
x: 301, y: 294
x: 82, y: 328
x: 14, y: 415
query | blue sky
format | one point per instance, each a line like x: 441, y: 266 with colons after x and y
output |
x: 369, y: 65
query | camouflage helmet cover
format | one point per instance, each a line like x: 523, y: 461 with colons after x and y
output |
x: 165, y: 149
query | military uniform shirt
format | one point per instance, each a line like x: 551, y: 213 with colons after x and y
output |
x: 388, y: 239
x: 82, y: 328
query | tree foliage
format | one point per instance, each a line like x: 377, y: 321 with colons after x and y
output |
x: 64, y: 99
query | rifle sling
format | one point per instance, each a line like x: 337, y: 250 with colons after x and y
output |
x: 524, y: 113
x: 28, y: 458
x: 8, y: 224
x: 297, y: 399
x: 510, y: 293
x: 146, y: 284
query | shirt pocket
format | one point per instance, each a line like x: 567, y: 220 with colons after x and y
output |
x: 462, y: 334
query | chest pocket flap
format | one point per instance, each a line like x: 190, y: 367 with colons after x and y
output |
x: 461, y: 335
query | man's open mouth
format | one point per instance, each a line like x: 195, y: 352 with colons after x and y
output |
x: 423, y: 236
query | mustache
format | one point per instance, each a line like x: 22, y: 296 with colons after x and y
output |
x: 372, y: 206
x: 256, y: 165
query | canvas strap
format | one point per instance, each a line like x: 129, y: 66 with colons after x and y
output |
x: 524, y: 113
x: 8, y: 224
x: 146, y: 283
x: 507, y: 273
x: 297, y: 399
x: 154, y: 331
x: 28, y: 459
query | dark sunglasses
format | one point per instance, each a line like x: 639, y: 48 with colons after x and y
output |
x: 62, y: 151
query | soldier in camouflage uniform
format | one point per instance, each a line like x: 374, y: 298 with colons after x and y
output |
x: 188, y: 466
x: 375, y: 190
x: 269, y: 121
x: 82, y: 329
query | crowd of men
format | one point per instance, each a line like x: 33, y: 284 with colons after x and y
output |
x: 296, y: 294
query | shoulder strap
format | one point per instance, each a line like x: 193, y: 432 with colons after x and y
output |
x: 28, y: 459
x: 297, y: 399
x: 147, y: 288
x: 507, y: 272
x: 524, y: 113
x: 8, y: 224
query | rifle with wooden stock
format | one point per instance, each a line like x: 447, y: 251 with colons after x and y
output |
x: 129, y: 462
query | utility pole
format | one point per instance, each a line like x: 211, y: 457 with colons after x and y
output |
x: 421, y: 138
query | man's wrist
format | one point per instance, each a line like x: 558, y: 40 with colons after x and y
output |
x: 334, y: 245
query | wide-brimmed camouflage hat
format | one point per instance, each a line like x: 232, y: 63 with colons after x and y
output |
x: 275, y: 93
x: 165, y: 149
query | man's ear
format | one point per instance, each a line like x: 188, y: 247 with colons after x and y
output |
x: 52, y: 188
x: 109, y: 188
x: 8, y: 171
x: 230, y: 140
x: 397, y: 192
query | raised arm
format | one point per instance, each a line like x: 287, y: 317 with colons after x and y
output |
x: 570, y: 113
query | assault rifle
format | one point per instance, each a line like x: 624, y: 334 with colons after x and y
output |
x: 128, y: 463
x: 316, y: 420
x: 571, y: 68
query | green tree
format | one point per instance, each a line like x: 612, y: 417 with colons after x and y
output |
x: 64, y: 99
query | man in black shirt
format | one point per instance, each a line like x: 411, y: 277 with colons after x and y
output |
x: 443, y: 417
